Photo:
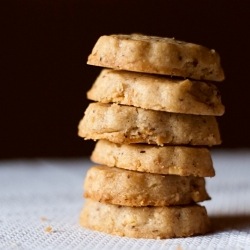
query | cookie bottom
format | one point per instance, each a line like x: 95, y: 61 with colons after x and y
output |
x: 145, y: 222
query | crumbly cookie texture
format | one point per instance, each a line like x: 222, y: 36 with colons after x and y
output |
x: 130, y: 188
x: 157, y: 93
x: 127, y: 124
x: 174, y: 160
x: 145, y: 222
x: 157, y: 55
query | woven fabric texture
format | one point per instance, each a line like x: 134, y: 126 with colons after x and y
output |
x: 40, y: 203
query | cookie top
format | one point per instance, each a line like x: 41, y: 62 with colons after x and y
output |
x: 156, y: 55
x: 130, y: 188
x: 145, y: 222
x: 157, y: 93
x: 127, y: 124
x: 174, y: 160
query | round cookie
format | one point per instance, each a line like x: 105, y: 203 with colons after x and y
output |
x: 130, y: 188
x: 145, y: 222
x: 156, y: 55
x: 156, y: 93
x: 174, y: 160
x: 127, y: 124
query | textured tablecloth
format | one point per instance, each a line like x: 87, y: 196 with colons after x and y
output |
x: 42, y: 195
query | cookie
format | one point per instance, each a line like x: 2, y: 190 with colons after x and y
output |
x: 145, y: 222
x: 174, y: 160
x: 156, y: 93
x: 130, y: 188
x: 157, y: 55
x: 127, y: 124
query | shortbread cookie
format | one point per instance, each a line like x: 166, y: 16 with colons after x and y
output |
x: 131, y: 188
x: 175, y: 160
x: 127, y: 124
x: 145, y: 222
x: 157, y: 93
x: 157, y: 55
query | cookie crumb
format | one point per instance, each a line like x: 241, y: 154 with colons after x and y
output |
x: 43, y: 218
x: 179, y: 247
x: 48, y: 229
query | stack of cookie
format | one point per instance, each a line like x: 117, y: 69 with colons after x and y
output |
x: 154, y: 118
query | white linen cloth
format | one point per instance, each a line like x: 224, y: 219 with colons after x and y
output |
x: 41, y: 195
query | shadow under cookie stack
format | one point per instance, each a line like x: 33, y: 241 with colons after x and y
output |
x: 154, y: 119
